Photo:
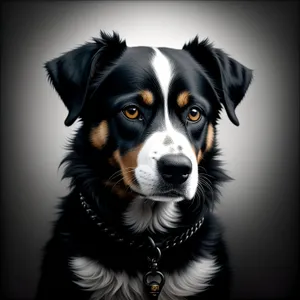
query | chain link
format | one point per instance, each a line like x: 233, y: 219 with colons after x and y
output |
x: 167, y: 244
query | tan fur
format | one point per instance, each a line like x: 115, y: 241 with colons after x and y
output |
x: 99, y: 135
x: 199, y: 156
x: 209, y: 137
x: 147, y: 97
x: 112, y: 161
x: 183, y: 99
x: 194, y: 149
x: 128, y: 163
x: 209, y: 143
x: 119, y: 188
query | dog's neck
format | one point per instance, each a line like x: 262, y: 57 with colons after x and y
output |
x: 143, y: 238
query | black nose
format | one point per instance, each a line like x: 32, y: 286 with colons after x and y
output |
x: 174, y: 168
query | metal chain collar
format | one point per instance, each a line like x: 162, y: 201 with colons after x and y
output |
x: 138, y: 243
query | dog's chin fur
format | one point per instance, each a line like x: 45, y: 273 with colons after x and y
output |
x: 82, y: 261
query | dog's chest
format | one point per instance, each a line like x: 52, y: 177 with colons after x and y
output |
x: 106, y: 284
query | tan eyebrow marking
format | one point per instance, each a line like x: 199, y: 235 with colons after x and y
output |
x: 183, y: 99
x: 147, y: 97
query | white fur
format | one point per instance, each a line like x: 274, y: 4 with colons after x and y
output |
x: 109, y: 285
x: 164, y: 73
x: 190, y: 281
x: 142, y: 215
x: 105, y: 284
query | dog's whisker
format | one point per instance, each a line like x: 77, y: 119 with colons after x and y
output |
x: 205, y: 179
x: 200, y: 188
x: 115, y: 174
x: 205, y: 183
x: 133, y: 182
x: 118, y: 173
x: 205, y: 173
x: 116, y: 183
x: 123, y: 174
x: 208, y: 185
x: 201, y: 167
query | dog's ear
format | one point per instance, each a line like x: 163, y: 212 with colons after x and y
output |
x: 231, y: 79
x: 71, y: 72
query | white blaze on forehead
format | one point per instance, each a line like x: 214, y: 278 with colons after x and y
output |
x: 164, y: 72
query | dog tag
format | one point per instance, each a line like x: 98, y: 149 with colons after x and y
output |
x: 154, y: 287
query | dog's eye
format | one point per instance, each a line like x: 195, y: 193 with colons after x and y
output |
x: 194, y: 114
x: 131, y: 112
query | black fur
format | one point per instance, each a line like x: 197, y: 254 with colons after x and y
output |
x: 106, y: 69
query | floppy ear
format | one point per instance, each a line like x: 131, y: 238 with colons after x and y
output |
x: 230, y: 78
x: 71, y: 72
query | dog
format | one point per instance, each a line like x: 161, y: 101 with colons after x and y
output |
x: 144, y: 172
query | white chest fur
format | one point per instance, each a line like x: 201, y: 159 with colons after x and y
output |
x: 108, y: 285
x: 140, y: 215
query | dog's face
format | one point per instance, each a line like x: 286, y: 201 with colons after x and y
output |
x: 159, y: 103
x: 154, y: 108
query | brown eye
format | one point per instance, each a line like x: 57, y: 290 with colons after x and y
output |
x: 131, y: 112
x: 194, y: 115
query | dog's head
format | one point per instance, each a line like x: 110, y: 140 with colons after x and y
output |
x: 155, y: 109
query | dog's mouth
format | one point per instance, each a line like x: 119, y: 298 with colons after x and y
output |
x: 161, y: 196
x: 169, y: 194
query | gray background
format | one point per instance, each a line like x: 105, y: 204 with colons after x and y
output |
x: 260, y: 209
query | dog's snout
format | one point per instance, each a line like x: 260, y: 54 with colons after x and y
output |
x: 174, y: 168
